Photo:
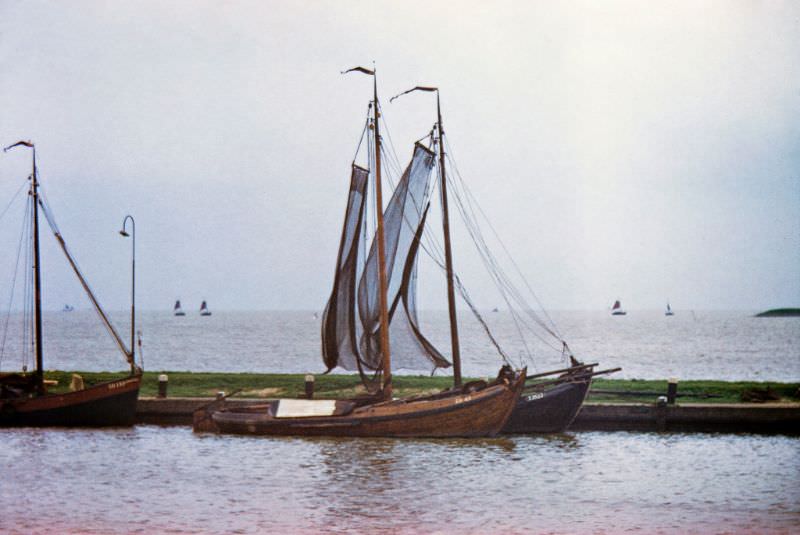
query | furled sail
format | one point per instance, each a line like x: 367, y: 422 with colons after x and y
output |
x: 339, y: 329
x: 403, y: 223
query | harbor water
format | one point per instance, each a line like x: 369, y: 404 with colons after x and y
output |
x: 150, y: 479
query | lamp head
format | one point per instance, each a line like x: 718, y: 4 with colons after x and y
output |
x: 122, y: 232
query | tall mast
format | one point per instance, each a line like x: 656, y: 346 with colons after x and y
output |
x: 384, y: 310
x: 383, y: 301
x: 37, y: 280
x: 448, y: 254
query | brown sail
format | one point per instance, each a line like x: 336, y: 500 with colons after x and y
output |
x: 24, y: 399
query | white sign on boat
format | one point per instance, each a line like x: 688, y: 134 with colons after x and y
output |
x: 293, y: 408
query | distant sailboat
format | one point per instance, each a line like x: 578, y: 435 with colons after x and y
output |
x: 617, y: 310
x: 177, y: 310
x: 204, y: 311
x: 669, y: 311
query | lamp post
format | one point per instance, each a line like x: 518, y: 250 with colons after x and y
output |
x: 124, y: 233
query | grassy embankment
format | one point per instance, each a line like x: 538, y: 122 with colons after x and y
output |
x: 187, y: 384
x: 779, y: 313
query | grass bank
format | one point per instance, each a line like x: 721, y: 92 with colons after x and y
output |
x: 637, y: 390
x: 779, y: 313
x: 254, y: 385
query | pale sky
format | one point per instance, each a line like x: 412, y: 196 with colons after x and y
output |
x: 642, y: 151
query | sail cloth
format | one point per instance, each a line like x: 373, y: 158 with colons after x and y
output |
x: 351, y: 321
x: 339, y: 329
x: 403, y: 223
x: 406, y: 339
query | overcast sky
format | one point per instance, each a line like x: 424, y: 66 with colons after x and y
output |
x: 646, y: 151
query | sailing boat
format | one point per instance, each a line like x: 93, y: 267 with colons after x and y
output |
x: 177, y: 310
x: 548, y: 404
x: 24, y: 400
x: 204, y: 311
x: 668, y: 311
x: 617, y: 310
x: 466, y: 410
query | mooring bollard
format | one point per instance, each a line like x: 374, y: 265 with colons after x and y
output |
x: 672, y: 390
x: 162, y: 385
x: 309, y: 386
x: 660, y: 413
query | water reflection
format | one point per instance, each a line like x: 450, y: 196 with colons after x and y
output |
x: 368, y: 481
x: 167, y: 479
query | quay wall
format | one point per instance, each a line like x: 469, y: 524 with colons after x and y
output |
x: 699, y: 417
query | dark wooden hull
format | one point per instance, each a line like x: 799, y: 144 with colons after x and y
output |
x: 549, y: 410
x: 461, y: 414
x: 112, y: 403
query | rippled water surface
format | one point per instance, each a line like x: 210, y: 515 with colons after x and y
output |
x: 647, y: 345
x: 150, y: 479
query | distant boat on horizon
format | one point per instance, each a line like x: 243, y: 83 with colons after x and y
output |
x: 668, y: 311
x: 177, y: 310
x: 204, y: 311
x: 617, y: 310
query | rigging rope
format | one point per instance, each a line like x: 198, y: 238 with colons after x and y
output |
x: 391, y: 157
x: 435, y: 250
x: 470, y: 210
x: 22, y: 235
x: 363, y: 133
x: 14, y: 198
x: 551, y: 328
x: 463, y: 291
x: 502, y: 283
x: 129, y: 354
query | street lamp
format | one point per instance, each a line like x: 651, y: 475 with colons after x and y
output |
x: 123, y: 232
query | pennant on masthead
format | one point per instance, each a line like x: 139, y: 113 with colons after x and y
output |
x: 360, y: 69
x: 18, y: 143
x: 418, y: 88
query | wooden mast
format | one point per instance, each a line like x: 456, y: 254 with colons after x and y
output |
x: 448, y: 254
x: 384, y: 310
x: 37, y: 280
